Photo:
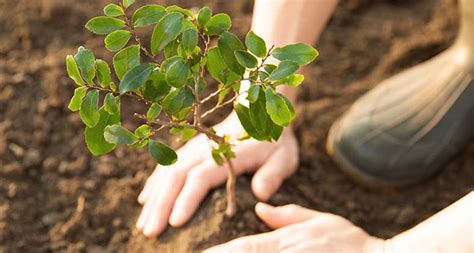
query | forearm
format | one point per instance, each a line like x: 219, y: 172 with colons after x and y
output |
x: 450, y: 230
x: 281, y: 22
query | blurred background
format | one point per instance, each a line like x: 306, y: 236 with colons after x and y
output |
x: 56, y: 197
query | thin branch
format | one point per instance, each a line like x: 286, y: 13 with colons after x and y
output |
x: 129, y: 94
x: 135, y: 36
x: 220, y: 106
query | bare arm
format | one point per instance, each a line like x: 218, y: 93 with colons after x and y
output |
x: 282, y: 22
x: 450, y: 230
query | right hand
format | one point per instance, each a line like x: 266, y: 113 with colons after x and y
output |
x: 173, y: 193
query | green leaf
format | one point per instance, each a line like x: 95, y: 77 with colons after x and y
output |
x: 246, y: 59
x: 117, y: 40
x: 73, y: 70
x: 166, y: 31
x: 217, y: 156
x: 126, y: 59
x: 171, y: 49
x: 89, y: 109
x: 148, y: 15
x: 153, y: 112
x: 228, y: 43
x: 189, y: 41
x: 175, y: 8
x: 85, y: 60
x: 263, y: 75
x: 143, y: 131
x: 127, y: 3
x: 166, y: 64
x: 255, y: 44
x: 222, y: 95
x: 103, y: 73
x: 178, y: 99
x: 278, y: 109
x: 113, y: 10
x: 243, y: 114
x: 253, y: 92
x: 117, y: 134
x: 76, y: 100
x: 135, y: 77
x: 161, y: 153
x: 94, y: 137
x: 155, y: 87
x: 104, y: 25
x: 203, y: 16
x: 300, y: 53
x: 218, y: 24
x: 177, y: 74
x: 293, y: 80
x: 284, y: 69
x: 218, y: 69
x: 111, y: 104
x: 262, y: 121
x: 269, y: 68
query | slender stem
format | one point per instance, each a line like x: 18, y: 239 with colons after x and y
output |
x: 230, y: 189
x: 129, y: 94
x: 135, y: 36
x: 220, y: 106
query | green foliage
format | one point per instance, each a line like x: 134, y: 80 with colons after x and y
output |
x: 148, y: 15
x: 255, y: 44
x: 85, y: 60
x: 162, y: 154
x: 76, y: 100
x: 103, y: 73
x: 89, y: 111
x: 127, y: 3
x: 117, y: 40
x: 168, y: 74
x: 203, y: 16
x: 135, y: 77
x: 153, y: 112
x: 126, y: 59
x: 228, y: 43
x: 284, y: 69
x: 111, y: 104
x: 246, y: 59
x: 166, y: 31
x: 94, y: 136
x: 218, y: 24
x: 116, y: 134
x: 104, y: 25
x: 300, y: 53
x: 113, y: 10
x: 73, y: 70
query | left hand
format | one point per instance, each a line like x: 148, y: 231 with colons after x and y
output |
x: 302, y: 230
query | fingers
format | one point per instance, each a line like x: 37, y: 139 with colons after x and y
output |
x: 277, y: 217
x: 154, y: 217
x: 261, y: 243
x: 198, y: 183
x: 269, y: 177
x: 189, y: 157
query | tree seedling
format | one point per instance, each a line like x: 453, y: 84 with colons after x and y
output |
x: 168, y: 77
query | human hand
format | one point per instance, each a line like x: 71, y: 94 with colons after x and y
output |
x: 173, y: 193
x: 302, y: 230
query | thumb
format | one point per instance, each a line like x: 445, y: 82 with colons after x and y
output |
x: 277, y: 217
x: 271, y: 174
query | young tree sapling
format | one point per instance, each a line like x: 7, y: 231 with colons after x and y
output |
x: 168, y: 77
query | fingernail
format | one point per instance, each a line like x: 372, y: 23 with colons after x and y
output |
x: 139, y: 223
x: 175, y: 217
x: 263, y: 207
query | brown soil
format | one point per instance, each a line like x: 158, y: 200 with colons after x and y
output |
x: 56, y: 197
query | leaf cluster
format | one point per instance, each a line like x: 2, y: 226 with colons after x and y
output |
x: 168, y: 76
